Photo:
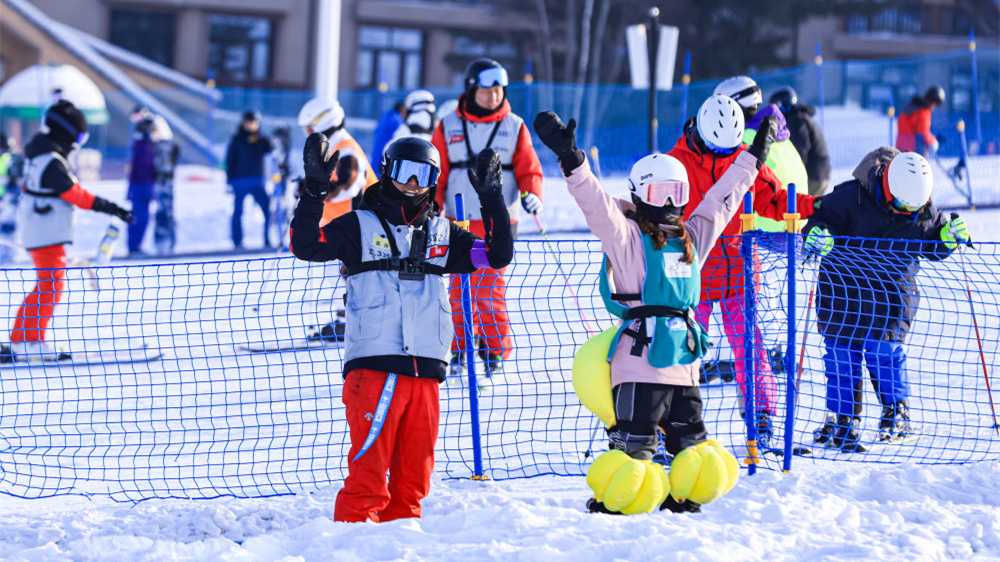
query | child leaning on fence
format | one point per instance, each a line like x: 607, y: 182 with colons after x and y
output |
x: 651, y: 280
x: 397, y: 252
x: 867, y: 294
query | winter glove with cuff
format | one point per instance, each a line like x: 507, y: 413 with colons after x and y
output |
x: 955, y: 232
x: 761, y: 145
x: 102, y: 205
x: 319, y: 166
x: 531, y: 203
x: 561, y: 139
x: 818, y: 243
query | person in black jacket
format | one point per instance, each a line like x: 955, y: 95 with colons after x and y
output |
x: 245, y: 174
x: 806, y: 137
x: 867, y: 295
x: 397, y: 252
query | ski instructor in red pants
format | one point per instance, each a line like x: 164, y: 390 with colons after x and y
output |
x: 45, y: 213
x: 397, y: 251
x: 484, y: 120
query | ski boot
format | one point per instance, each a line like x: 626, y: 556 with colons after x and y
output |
x: 36, y: 351
x: 6, y: 355
x: 661, y: 456
x: 492, y: 362
x: 824, y: 433
x: 686, y: 506
x: 330, y: 333
x: 846, y: 437
x: 765, y: 431
x: 895, y: 422
x: 594, y: 506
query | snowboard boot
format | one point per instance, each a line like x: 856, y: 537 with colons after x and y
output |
x: 846, y: 437
x: 824, y: 433
x: 895, y: 422
x: 765, y: 431
x: 686, y: 506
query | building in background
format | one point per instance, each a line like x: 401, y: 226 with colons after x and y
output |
x: 385, y: 44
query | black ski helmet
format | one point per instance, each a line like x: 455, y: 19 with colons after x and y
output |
x: 413, y: 149
x: 935, y: 94
x: 65, y: 123
x: 475, y: 68
x: 785, y: 98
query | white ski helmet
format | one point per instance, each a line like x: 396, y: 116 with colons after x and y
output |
x: 161, y: 129
x: 659, y: 179
x: 320, y: 114
x: 908, y: 182
x: 720, y: 124
x: 743, y: 89
x: 447, y: 108
x: 419, y: 100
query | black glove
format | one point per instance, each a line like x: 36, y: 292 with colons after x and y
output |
x: 102, y: 205
x: 485, y: 177
x: 319, y: 165
x: 762, y: 142
x: 561, y: 139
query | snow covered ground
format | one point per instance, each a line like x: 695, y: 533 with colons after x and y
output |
x: 818, y: 512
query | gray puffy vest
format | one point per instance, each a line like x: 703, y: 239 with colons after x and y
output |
x: 389, y: 313
x: 44, y: 219
x: 461, y: 135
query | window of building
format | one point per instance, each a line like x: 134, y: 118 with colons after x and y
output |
x: 144, y: 32
x: 903, y: 19
x: 239, y: 49
x: 389, y: 58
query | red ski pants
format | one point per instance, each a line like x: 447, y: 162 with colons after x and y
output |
x: 36, y: 310
x: 489, y: 311
x: 404, y: 449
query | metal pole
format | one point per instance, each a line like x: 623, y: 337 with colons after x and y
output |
x: 470, y: 357
x: 819, y: 81
x: 975, y: 89
x: 791, y: 231
x: 891, y: 114
x: 964, y: 157
x: 327, y: 48
x: 749, y: 334
x: 685, y: 86
x: 653, y: 47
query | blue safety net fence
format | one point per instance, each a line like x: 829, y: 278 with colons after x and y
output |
x: 166, y: 397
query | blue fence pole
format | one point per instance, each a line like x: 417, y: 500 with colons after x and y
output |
x: 791, y: 230
x: 975, y: 89
x: 819, y: 84
x: 470, y: 358
x: 748, y: 219
x: 685, y: 87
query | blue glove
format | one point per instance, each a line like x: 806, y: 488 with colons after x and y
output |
x: 819, y: 242
x: 531, y: 203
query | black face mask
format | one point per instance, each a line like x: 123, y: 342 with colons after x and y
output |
x: 667, y: 214
x: 412, y: 206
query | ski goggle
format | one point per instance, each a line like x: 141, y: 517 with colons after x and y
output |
x: 748, y: 92
x: 660, y: 193
x: 718, y: 150
x: 898, y: 206
x: 492, y: 77
x: 403, y: 171
x: 81, y: 137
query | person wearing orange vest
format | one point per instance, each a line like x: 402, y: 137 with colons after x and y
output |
x: 354, y: 174
x: 484, y: 120
x: 51, y: 192
x: 913, y: 128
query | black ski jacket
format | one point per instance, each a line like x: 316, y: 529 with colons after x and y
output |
x: 809, y: 141
x: 867, y: 286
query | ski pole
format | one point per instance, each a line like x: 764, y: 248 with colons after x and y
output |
x: 547, y: 244
x: 979, y: 339
x: 802, y: 346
